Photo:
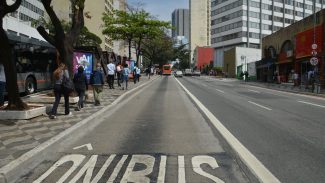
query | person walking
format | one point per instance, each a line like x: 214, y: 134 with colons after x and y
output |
x: 60, y: 74
x: 119, y: 74
x: 135, y: 75
x: 138, y: 73
x: 2, y: 84
x: 97, y: 82
x: 126, y: 72
x: 110, y: 74
x: 81, y: 85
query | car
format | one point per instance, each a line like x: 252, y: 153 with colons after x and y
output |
x: 197, y: 73
x: 179, y: 74
x: 188, y: 72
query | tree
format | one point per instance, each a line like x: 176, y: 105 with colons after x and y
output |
x: 183, y: 55
x: 6, y: 58
x: 61, y: 40
x: 158, y: 50
x: 134, y: 27
x: 147, y: 28
x: 120, y: 26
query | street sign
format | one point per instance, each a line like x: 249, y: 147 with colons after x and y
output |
x: 314, y: 46
x: 314, y: 53
x: 314, y: 61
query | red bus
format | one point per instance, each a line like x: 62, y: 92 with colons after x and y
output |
x: 167, y: 70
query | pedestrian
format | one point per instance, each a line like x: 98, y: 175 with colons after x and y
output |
x: 126, y: 71
x: 134, y: 73
x: 295, y: 79
x: 138, y: 73
x: 60, y: 75
x: 2, y: 84
x: 246, y: 76
x: 119, y: 74
x: 97, y: 82
x: 81, y: 85
x: 110, y: 74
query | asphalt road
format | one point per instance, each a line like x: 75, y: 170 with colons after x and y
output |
x: 159, y: 136
x: 286, y: 132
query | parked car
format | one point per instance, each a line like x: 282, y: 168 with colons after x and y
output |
x: 197, y: 73
x: 188, y: 72
x: 179, y: 74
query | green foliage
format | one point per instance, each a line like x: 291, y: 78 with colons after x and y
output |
x: 158, y: 50
x: 183, y: 55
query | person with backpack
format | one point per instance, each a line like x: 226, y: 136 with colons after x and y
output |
x: 97, y: 82
x: 61, y: 75
x: 81, y: 85
x: 135, y: 76
x: 126, y: 72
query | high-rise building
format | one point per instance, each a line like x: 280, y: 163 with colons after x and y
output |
x: 93, y: 17
x: 244, y: 22
x: 20, y: 22
x: 181, y: 23
x: 200, y: 24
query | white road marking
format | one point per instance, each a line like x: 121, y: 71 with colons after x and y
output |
x: 88, y: 168
x: 117, y: 169
x: 317, y: 105
x: 89, y: 147
x: 254, y: 91
x: 181, y: 169
x: 103, y: 169
x: 162, y: 170
x: 139, y: 176
x: 254, y: 165
x: 261, y: 106
x: 197, y: 161
x: 220, y: 91
x: 74, y: 158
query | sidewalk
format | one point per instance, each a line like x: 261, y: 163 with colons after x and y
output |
x: 20, y: 136
x: 287, y: 87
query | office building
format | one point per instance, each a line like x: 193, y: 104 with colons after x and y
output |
x: 200, y: 24
x: 93, y: 17
x: 181, y: 23
x: 244, y: 22
x: 20, y: 22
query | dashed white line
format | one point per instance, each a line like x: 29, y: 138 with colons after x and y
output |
x: 317, y: 105
x: 254, y: 91
x: 220, y: 91
x: 260, y: 105
x: 253, y: 164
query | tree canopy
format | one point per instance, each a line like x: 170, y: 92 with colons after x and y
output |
x: 133, y: 26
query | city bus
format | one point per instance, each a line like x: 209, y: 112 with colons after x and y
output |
x: 167, y: 70
x: 35, y: 62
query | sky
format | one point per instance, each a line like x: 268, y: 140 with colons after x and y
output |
x: 162, y: 9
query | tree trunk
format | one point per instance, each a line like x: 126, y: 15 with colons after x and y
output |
x: 130, y: 41
x: 15, y: 103
x: 138, y: 52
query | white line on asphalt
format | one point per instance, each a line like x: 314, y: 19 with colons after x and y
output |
x: 162, y: 170
x: 252, y: 163
x: 181, y: 169
x: 220, y: 91
x: 254, y: 91
x: 317, y: 105
x: 260, y: 105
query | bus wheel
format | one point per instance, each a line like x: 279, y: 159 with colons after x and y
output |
x: 30, y: 86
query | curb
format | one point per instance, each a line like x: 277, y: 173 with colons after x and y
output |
x: 28, y: 161
x: 306, y: 94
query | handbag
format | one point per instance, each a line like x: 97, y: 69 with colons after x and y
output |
x: 67, y: 84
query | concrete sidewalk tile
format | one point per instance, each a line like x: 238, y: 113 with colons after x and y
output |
x: 16, y: 139
x: 12, y: 133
